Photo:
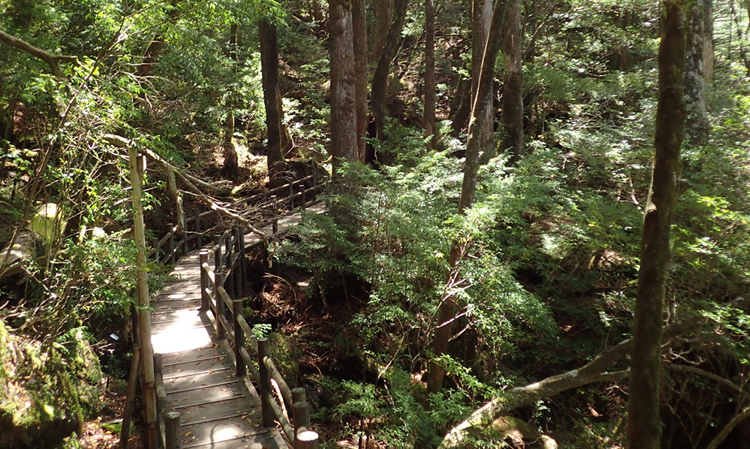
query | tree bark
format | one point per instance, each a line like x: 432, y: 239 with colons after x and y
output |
x: 644, y: 425
x: 269, y: 61
x: 430, y: 85
x: 699, y: 58
x: 382, y: 21
x: 481, y: 18
x: 380, y: 77
x: 231, y: 166
x: 514, y: 139
x: 359, y: 25
x: 447, y: 308
x: 343, y: 79
x: 51, y: 60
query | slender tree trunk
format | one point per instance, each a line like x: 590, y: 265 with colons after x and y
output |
x: 514, y: 139
x: 269, y: 61
x: 447, y: 308
x: 481, y: 17
x: 430, y: 87
x: 359, y: 24
x: 343, y: 79
x: 644, y: 425
x: 380, y: 78
x: 382, y: 22
x: 230, y: 169
x: 699, y: 57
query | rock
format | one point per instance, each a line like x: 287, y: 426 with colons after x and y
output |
x: 42, y: 398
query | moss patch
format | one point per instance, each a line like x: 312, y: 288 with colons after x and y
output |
x: 44, y: 390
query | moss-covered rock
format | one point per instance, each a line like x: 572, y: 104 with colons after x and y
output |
x: 44, y: 390
x: 286, y: 356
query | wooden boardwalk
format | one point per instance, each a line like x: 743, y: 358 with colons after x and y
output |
x: 219, y: 410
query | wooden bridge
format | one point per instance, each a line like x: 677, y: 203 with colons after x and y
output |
x: 204, y: 347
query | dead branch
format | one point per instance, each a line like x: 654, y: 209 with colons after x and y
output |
x: 51, y: 60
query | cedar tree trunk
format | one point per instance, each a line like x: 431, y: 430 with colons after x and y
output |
x: 343, y: 79
x: 359, y: 24
x: 513, y: 140
x: 481, y: 17
x: 699, y: 57
x: 269, y: 62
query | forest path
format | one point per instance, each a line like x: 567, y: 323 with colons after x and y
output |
x: 219, y: 410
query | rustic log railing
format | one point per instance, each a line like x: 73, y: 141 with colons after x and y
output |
x: 251, y: 354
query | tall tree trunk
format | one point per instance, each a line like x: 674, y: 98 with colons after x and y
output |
x: 481, y: 17
x: 380, y: 78
x: 343, y: 90
x: 514, y: 139
x: 447, y: 307
x: 430, y: 87
x: 699, y: 57
x: 359, y: 24
x: 269, y: 62
x: 644, y: 425
x: 231, y: 164
x: 382, y: 22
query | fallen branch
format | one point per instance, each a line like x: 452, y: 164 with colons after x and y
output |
x: 51, y: 60
x: 594, y: 371
x: 734, y: 422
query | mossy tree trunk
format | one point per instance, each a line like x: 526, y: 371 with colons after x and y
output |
x: 644, y: 425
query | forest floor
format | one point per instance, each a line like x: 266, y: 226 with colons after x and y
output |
x: 104, y: 431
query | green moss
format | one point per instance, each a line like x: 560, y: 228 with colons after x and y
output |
x: 45, y: 390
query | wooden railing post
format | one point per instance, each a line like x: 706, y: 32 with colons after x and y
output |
x: 301, y: 411
x: 239, y: 337
x: 307, y: 439
x: 185, y: 234
x: 237, y: 269
x: 265, y: 384
x: 217, y: 259
x: 171, y: 259
x: 220, y: 331
x: 304, y: 197
x: 204, y: 280
x: 172, y: 430
x: 198, y: 230
x: 291, y: 195
x: 243, y: 264
x: 229, y: 268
